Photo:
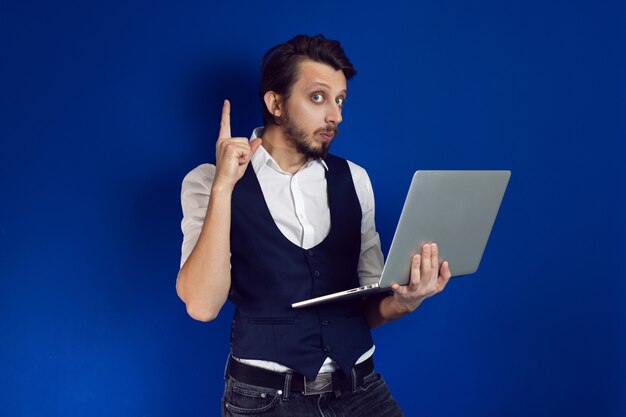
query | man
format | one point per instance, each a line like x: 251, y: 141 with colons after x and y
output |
x: 294, y: 222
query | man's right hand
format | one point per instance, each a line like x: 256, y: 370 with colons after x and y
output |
x: 232, y: 155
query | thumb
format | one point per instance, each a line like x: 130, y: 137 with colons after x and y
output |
x: 254, y: 145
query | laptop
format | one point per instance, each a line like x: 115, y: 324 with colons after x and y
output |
x: 455, y: 209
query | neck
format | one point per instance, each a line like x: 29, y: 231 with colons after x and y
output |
x: 281, y: 150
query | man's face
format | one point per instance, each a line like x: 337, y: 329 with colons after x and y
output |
x: 313, y: 111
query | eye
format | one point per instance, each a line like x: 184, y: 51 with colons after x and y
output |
x: 340, y: 100
x: 318, y: 98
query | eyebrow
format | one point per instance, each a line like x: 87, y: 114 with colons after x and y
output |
x: 344, y: 91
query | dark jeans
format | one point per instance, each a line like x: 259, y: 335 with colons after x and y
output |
x: 371, y: 398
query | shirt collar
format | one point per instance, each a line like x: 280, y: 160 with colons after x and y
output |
x: 262, y: 158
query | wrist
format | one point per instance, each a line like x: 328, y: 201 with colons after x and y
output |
x: 222, y: 187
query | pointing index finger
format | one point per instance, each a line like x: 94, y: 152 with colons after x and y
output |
x: 225, y: 123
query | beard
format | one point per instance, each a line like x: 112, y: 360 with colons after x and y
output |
x: 299, y: 138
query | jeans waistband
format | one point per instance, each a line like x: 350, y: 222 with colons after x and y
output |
x: 337, y: 381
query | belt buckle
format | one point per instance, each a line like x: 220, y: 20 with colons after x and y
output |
x: 322, y: 383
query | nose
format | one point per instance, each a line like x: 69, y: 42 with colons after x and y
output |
x: 333, y: 115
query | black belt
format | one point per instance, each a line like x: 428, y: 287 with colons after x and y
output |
x: 324, y: 382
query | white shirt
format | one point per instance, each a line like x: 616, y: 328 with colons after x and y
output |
x: 298, y: 204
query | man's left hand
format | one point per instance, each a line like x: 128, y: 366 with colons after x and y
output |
x: 427, y: 279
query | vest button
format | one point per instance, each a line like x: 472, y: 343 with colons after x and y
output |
x: 316, y: 273
x: 325, y: 322
x: 327, y: 349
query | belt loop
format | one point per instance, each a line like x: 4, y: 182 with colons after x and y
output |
x: 354, y: 378
x: 226, y: 364
x: 287, y: 387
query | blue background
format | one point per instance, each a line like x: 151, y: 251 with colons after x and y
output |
x: 105, y: 107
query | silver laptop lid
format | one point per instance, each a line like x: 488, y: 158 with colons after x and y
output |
x: 455, y: 209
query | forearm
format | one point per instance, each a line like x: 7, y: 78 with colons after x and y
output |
x: 381, y: 310
x: 204, y: 280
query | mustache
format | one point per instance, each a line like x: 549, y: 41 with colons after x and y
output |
x: 328, y: 129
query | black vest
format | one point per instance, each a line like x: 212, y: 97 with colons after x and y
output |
x: 269, y: 273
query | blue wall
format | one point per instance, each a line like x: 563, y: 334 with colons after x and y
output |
x: 104, y: 108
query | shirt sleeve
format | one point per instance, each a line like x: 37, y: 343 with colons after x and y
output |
x: 194, y: 199
x: 371, y: 259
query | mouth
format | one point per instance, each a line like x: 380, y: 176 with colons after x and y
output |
x: 327, y: 136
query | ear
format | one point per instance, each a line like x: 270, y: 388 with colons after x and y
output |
x: 273, y: 103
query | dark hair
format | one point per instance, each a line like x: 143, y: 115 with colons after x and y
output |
x: 279, y: 65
